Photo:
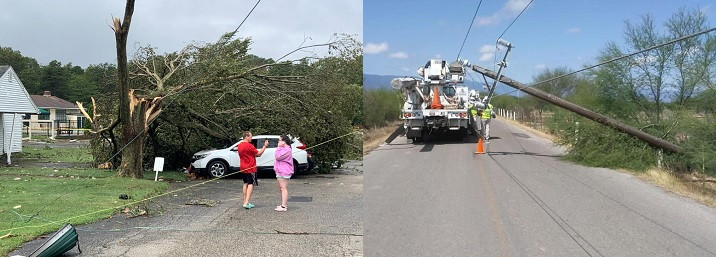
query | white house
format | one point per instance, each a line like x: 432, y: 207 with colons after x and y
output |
x: 14, y: 102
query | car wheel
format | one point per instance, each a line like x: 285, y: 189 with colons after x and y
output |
x: 217, y: 168
x: 295, y: 167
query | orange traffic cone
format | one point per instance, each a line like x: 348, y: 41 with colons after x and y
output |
x: 480, y: 149
x: 435, y: 104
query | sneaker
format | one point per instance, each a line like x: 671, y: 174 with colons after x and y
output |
x: 249, y: 206
x: 281, y: 208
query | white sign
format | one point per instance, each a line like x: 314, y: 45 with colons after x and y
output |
x: 158, y: 166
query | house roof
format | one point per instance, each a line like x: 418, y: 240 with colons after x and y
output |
x: 15, y: 98
x: 52, y: 102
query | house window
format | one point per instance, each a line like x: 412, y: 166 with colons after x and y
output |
x: 61, y: 115
x: 43, y: 117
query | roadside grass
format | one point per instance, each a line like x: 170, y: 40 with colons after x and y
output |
x: 693, y: 186
x: 164, y: 175
x: 372, y: 138
x: 57, y: 154
x: 31, y: 206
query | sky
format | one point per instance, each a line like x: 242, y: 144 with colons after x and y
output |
x: 78, y: 31
x: 400, y: 36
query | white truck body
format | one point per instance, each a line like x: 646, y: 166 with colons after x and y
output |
x: 422, y: 113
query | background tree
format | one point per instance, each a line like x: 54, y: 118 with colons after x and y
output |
x: 26, y: 68
x: 693, y: 57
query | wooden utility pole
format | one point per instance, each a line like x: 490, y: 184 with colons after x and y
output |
x: 652, y: 140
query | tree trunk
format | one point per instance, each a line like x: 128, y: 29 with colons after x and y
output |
x: 133, y: 137
x: 141, y: 113
x: 131, y: 165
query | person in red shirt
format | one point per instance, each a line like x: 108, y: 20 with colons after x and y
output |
x: 247, y: 166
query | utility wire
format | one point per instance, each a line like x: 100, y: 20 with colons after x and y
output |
x: 513, y: 21
x: 468, y: 29
x: 620, y: 58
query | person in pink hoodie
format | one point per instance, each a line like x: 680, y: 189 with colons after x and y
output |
x: 283, y: 166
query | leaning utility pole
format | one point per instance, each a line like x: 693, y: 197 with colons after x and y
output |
x: 652, y: 140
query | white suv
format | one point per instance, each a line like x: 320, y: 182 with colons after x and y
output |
x: 219, y: 162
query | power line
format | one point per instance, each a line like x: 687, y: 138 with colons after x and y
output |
x: 620, y: 58
x: 513, y: 21
x: 468, y: 29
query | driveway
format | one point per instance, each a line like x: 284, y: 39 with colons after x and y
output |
x: 324, y: 219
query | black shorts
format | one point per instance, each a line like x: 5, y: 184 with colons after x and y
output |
x: 249, y: 178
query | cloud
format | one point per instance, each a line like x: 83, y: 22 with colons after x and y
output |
x: 171, y: 27
x: 487, y: 52
x: 405, y: 69
x: 573, y: 31
x: 438, y: 56
x: 508, y: 11
x: 540, y: 66
x: 486, y: 57
x: 372, y: 48
x: 399, y: 55
x: 486, y: 21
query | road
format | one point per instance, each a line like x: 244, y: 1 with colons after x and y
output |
x: 324, y: 219
x: 441, y: 199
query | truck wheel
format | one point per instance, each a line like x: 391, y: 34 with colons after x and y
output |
x: 217, y: 168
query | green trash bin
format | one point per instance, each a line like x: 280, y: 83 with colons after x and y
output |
x: 62, y: 241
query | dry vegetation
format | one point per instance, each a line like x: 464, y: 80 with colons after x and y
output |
x: 372, y: 138
x: 697, y: 187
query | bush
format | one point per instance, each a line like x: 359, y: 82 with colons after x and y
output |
x: 381, y: 106
x: 597, y: 145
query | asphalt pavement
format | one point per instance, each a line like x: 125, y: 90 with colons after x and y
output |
x: 439, y: 198
x: 324, y: 219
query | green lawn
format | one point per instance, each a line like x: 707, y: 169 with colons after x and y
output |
x: 55, y: 196
x: 57, y: 154
x: 55, y: 201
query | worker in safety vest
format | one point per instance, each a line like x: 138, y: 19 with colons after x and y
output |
x: 487, y: 115
x: 473, y: 112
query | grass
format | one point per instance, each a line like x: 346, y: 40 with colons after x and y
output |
x: 84, y: 197
x: 55, y: 196
x: 682, y: 184
x: 49, y: 154
x: 372, y: 138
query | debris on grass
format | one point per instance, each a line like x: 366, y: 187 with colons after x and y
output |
x: 7, y: 236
